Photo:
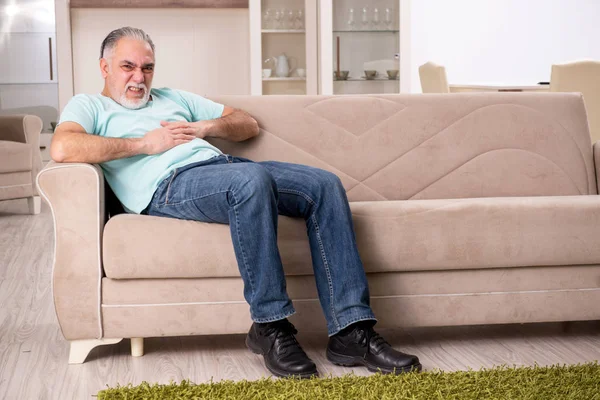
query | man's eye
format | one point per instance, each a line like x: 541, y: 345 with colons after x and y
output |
x: 127, y: 67
x: 147, y: 70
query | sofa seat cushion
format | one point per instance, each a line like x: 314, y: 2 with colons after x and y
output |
x: 14, y: 156
x: 141, y: 246
x: 16, y: 185
x: 413, y: 235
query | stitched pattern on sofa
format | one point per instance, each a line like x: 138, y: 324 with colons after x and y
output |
x: 452, y: 138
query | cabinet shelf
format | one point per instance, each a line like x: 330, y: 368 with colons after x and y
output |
x: 366, y: 80
x: 365, y: 31
x: 289, y: 78
x: 283, y: 31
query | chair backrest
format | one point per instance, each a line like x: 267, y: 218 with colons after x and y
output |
x: 47, y: 114
x: 433, y: 78
x: 583, y: 77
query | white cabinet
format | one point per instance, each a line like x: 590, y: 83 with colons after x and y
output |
x: 28, y: 58
x: 348, y: 46
x: 283, y: 32
x: 364, y: 46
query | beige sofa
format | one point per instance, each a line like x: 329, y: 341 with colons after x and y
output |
x: 20, y: 158
x: 468, y: 209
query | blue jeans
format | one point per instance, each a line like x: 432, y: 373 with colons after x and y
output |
x: 249, y: 196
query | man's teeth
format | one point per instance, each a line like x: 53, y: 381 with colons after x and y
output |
x: 136, y: 89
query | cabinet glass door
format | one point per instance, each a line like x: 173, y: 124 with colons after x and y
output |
x: 365, y: 46
x: 285, y: 38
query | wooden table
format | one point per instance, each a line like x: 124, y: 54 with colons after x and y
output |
x: 457, y: 88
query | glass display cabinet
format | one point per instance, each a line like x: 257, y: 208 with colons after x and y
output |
x: 329, y: 46
x: 361, y: 46
x: 283, y: 41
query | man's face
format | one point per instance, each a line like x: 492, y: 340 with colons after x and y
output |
x: 128, y: 73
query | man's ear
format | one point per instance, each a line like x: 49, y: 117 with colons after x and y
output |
x: 104, y: 67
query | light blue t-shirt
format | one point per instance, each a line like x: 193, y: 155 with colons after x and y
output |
x: 134, y: 179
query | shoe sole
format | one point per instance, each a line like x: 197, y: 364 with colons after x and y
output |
x: 351, y: 361
x: 278, y: 373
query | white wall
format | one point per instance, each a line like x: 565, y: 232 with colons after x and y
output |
x: 204, y: 51
x: 502, y: 41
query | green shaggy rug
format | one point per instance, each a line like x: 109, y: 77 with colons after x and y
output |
x: 528, y: 383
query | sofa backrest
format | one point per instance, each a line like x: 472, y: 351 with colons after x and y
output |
x: 398, y: 147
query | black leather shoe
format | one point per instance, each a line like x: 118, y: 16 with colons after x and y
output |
x: 359, y: 344
x: 282, y: 353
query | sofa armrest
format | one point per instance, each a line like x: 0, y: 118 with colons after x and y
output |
x: 75, y: 193
x: 597, y: 164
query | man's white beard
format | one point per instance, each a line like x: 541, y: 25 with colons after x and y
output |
x: 134, y: 104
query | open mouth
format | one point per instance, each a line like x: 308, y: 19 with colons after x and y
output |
x: 135, y: 91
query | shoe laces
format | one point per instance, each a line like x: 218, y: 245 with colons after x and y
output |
x: 367, y: 336
x: 284, y: 331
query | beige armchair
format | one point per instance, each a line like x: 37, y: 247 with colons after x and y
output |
x: 433, y: 78
x: 20, y: 158
x: 583, y: 77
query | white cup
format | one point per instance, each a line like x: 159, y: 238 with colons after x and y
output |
x: 301, y: 72
x: 267, y: 72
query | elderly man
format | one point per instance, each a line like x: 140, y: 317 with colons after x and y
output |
x: 150, y: 144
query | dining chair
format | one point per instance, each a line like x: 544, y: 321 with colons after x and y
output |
x: 433, y: 78
x: 584, y: 77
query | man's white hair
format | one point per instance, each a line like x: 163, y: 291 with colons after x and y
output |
x: 109, y: 43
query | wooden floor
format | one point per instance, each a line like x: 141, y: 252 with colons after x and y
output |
x: 33, y: 354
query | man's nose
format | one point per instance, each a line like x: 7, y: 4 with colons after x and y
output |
x: 138, y: 76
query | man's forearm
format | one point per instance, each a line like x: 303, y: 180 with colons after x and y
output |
x: 236, y: 127
x: 77, y: 147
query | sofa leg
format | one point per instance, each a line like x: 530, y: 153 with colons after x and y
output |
x: 81, y: 348
x: 137, y: 347
x: 35, y: 204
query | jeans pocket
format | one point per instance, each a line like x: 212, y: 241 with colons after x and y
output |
x: 237, y: 159
x: 169, y: 186
x: 220, y: 159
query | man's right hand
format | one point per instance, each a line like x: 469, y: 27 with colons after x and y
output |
x: 164, y: 138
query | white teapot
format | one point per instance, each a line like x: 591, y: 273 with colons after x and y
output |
x: 282, y: 65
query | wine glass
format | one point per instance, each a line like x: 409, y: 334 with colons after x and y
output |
x: 300, y: 19
x: 388, y: 18
x: 351, y: 23
x: 278, y: 21
x: 364, y: 19
x: 376, y: 20
x: 291, y: 15
x: 267, y: 18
